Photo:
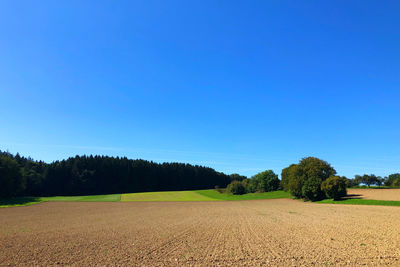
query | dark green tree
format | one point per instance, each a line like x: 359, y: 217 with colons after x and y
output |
x: 250, y: 185
x: 91, y: 175
x: 334, y: 187
x: 368, y: 180
x: 306, y: 177
x: 266, y: 181
x: 351, y: 182
x: 380, y: 181
x: 396, y: 182
x: 390, y: 179
x: 11, y: 179
x: 311, y: 189
x: 285, y: 176
x: 237, y: 177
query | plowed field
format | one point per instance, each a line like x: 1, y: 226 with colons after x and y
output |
x: 260, y: 232
x: 378, y: 194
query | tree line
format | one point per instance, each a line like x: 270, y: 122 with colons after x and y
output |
x: 311, y: 179
x: 392, y: 180
x: 90, y: 175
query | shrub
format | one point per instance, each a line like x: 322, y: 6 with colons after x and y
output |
x: 334, y: 187
x: 236, y: 188
x: 250, y: 185
x: 218, y: 189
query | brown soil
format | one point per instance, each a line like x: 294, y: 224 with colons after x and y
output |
x: 266, y: 232
x: 378, y: 194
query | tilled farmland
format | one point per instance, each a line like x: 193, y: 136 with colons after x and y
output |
x: 378, y: 194
x: 260, y: 232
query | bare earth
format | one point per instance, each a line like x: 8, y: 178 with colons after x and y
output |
x: 259, y: 232
x: 378, y: 194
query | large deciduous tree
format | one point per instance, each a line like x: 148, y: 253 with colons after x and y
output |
x: 391, y: 178
x: 285, y: 176
x: 303, y: 180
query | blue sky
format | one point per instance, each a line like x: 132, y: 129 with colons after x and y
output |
x: 240, y: 86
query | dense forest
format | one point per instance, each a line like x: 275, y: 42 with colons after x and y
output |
x: 86, y: 175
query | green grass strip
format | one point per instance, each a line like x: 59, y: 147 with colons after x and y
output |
x: 94, y: 198
x: 198, y: 195
x: 166, y: 196
x: 26, y: 201
x: 19, y: 201
x: 251, y: 196
x: 361, y: 202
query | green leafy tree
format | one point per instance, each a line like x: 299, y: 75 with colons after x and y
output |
x: 334, y: 187
x: 311, y: 189
x: 237, y: 177
x: 357, y: 179
x: 380, y: 181
x: 368, y: 179
x: 250, y: 185
x: 390, y: 179
x: 236, y: 188
x: 351, y: 182
x: 296, y: 181
x: 285, y: 176
x: 266, y: 181
x: 304, y: 179
x: 396, y: 182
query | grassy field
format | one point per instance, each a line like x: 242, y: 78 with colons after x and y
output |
x: 95, y: 198
x: 26, y: 201
x: 167, y: 196
x: 200, y: 195
x: 19, y: 201
x: 197, y: 195
x: 268, y: 195
x: 361, y: 202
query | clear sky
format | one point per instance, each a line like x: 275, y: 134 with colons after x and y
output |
x: 240, y: 86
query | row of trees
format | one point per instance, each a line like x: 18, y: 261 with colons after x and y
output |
x: 372, y: 179
x: 265, y: 181
x: 85, y: 175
